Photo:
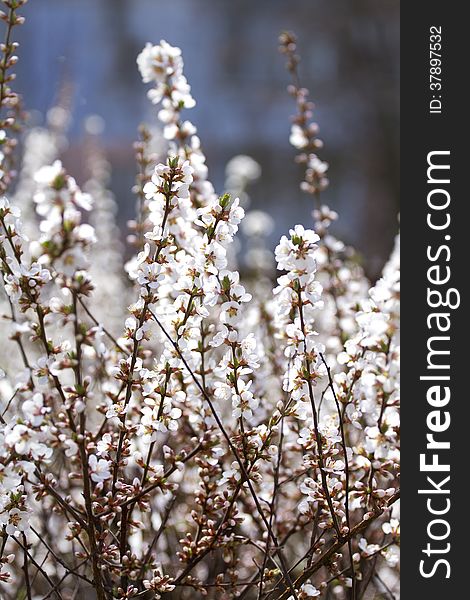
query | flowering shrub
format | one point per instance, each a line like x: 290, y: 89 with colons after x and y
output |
x: 217, y: 438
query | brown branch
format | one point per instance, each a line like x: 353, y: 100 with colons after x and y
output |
x: 234, y: 452
x: 338, y: 544
x: 346, y: 472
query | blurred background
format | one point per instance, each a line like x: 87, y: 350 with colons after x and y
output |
x: 350, y: 63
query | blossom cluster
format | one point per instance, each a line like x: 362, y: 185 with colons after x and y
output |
x: 172, y: 428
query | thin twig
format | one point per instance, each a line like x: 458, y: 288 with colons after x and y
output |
x: 234, y: 452
x: 346, y: 472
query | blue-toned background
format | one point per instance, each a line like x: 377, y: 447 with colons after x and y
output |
x: 350, y: 54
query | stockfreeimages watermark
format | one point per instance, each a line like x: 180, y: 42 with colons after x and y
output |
x: 441, y: 299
